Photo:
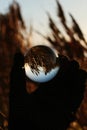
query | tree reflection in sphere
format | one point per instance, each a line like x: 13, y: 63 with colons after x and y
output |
x: 40, y: 64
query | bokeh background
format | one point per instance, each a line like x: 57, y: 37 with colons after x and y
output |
x: 48, y: 24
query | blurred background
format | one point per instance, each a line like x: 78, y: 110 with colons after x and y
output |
x: 58, y: 24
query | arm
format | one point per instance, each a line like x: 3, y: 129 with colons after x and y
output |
x: 78, y: 78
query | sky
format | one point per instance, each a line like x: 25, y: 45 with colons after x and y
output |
x: 34, y: 12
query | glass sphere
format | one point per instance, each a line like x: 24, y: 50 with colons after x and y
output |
x: 40, y: 64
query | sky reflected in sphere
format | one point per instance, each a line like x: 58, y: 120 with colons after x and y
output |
x: 40, y: 64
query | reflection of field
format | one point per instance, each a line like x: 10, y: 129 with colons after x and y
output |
x: 40, y: 63
x: 41, y: 56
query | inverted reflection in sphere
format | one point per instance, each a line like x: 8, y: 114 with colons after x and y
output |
x: 40, y: 64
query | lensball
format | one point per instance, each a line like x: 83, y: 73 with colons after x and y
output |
x: 40, y: 64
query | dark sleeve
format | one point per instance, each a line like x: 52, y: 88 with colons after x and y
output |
x: 77, y: 82
x: 70, y: 85
x: 17, y: 93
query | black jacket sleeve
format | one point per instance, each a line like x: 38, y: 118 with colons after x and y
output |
x: 75, y: 80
